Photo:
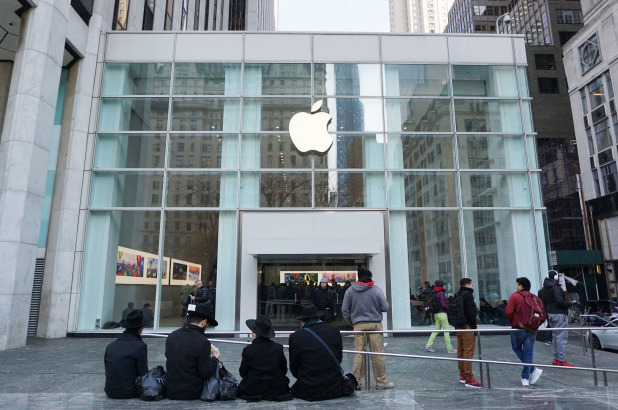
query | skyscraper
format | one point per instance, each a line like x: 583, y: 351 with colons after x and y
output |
x: 419, y: 16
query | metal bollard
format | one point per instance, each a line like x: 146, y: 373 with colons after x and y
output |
x: 367, y: 362
x: 594, y: 365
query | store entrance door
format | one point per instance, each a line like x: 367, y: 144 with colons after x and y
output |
x: 287, y: 283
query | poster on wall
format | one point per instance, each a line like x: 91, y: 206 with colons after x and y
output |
x: 135, y: 267
x: 339, y: 276
x: 185, y: 273
x: 316, y: 276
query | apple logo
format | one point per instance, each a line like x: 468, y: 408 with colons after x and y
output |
x: 309, y: 131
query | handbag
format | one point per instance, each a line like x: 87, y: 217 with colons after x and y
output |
x: 350, y: 384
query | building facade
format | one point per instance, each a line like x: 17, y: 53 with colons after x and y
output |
x: 419, y: 16
x: 592, y: 72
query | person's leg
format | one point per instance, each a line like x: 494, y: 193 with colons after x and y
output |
x: 433, y: 335
x: 469, y: 340
x: 527, y: 352
x: 552, y: 324
x: 516, y: 345
x: 561, y: 337
x: 359, y: 359
x: 376, y: 344
x: 442, y: 321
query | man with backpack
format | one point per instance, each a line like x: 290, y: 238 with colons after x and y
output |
x: 557, y: 309
x: 438, y: 306
x: 525, y: 311
x: 462, y: 315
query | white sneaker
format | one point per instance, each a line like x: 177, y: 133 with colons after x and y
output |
x: 525, y: 382
x: 388, y: 385
x: 534, y: 376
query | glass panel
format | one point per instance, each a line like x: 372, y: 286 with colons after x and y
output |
x: 357, y: 151
x: 191, y: 244
x: 535, y: 177
x: 271, y: 151
x: 203, y: 151
x: 487, y: 116
x: 136, y: 78
x: 425, y: 247
x: 422, y: 189
x: 133, y: 114
x: 484, y: 81
x: 206, y: 79
x: 420, y: 151
x: 272, y: 114
x: 276, y: 190
x: 120, y: 267
x: 354, y: 114
x: 347, y: 79
x: 339, y: 189
x: 495, y: 189
x: 277, y: 79
x: 604, y: 138
x: 193, y: 189
x: 415, y: 79
x: 205, y: 114
x: 533, y: 161
x: 126, y: 189
x: 524, y: 88
x: 496, y: 242
x: 418, y: 115
x: 130, y: 151
x: 491, y: 151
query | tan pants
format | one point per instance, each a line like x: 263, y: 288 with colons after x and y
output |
x: 376, y: 344
x: 465, y: 350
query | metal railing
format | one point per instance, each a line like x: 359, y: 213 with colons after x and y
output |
x: 594, y: 369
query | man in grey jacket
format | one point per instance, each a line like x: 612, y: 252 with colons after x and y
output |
x: 363, y: 305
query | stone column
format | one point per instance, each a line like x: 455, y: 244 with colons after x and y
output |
x: 24, y: 150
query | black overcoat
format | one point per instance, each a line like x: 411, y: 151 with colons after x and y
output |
x: 317, y: 375
x: 188, y: 362
x: 126, y: 358
x: 263, y: 370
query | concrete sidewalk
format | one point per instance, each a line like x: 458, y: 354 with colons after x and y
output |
x: 69, y: 373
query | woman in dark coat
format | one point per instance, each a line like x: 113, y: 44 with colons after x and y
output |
x: 263, y: 367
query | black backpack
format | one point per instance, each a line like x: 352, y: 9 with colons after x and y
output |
x: 456, y: 315
x: 432, y: 304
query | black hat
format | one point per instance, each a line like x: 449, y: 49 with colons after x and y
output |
x: 364, y: 275
x: 439, y: 283
x: 203, y: 310
x: 310, y: 312
x: 134, y: 320
x: 261, y: 326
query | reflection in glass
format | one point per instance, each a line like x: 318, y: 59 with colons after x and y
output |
x: 271, y: 113
x: 133, y: 114
x: 522, y: 75
x: 484, y: 81
x: 356, y: 151
x: 206, y: 79
x: 130, y: 151
x: 422, y: 189
x: 271, y: 151
x: 489, y: 189
x: 411, y: 151
x: 198, y: 189
x: 277, y: 79
x: 276, y: 190
x: 415, y: 79
x: 126, y: 188
x: 347, y: 79
x: 354, y: 114
x: 491, y: 151
x: 337, y: 189
x: 418, y: 115
x: 487, y: 116
x: 136, y: 79
x: 205, y: 114
x: 203, y: 151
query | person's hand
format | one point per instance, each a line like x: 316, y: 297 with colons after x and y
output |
x: 214, y: 352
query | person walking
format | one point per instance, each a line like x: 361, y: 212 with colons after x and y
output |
x: 363, y: 305
x: 518, y: 313
x: 463, y: 316
x: 324, y: 300
x: 557, y: 309
x: 440, y: 317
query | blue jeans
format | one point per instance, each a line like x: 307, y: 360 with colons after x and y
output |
x: 522, y: 343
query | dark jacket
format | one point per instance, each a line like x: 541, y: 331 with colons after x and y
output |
x: 126, y: 358
x: 439, y: 292
x: 553, y: 297
x: 148, y: 317
x: 263, y: 370
x: 469, y: 308
x: 203, y: 296
x: 323, y: 298
x: 188, y: 362
x: 317, y: 375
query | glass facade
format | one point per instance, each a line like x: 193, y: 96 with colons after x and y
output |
x: 446, y: 152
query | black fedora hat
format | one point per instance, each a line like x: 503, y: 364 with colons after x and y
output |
x: 203, y: 310
x: 310, y: 312
x: 262, y: 326
x: 134, y: 320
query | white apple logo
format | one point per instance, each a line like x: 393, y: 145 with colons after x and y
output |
x: 309, y: 131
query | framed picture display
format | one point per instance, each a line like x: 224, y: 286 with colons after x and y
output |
x: 185, y: 273
x: 135, y: 267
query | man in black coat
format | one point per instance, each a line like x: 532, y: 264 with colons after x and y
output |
x: 317, y: 375
x: 126, y: 358
x: 188, y: 353
x: 323, y: 299
x: 263, y: 367
x: 464, y: 317
x: 202, y: 295
x: 557, y: 309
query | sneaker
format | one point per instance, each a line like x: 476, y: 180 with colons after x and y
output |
x: 452, y: 350
x: 525, y: 382
x: 473, y: 384
x: 429, y: 349
x: 548, y: 343
x: 462, y: 380
x: 534, y: 376
x: 555, y: 362
x: 386, y: 386
x: 565, y: 363
x: 358, y: 386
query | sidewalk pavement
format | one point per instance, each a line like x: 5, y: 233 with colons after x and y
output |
x: 69, y: 373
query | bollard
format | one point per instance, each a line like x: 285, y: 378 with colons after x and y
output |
x: 478, y: 336
x: 594, y: 365
x: 583, y: 343
x: 367, y: 362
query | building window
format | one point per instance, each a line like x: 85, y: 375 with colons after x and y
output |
x: 608, y: 174
x: 149, y: 6
x: 169, y: 13
x: 569, y: 16
x: 595, y: 93
x: 237, y: 15
x: 590, y: 53
x: 545, y: 62
x: 196, y: 16
x: 565, y: 36
x: 184, y: 15
x: 206, y: 15
x: 180, y: 161
x: 121, y: 14
x: 597, y: 186
x: 603, y: 136
x: 548, y: 86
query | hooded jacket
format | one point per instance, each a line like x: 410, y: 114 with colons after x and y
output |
x: 553, y: 297
x: 439, y: 292
x: 364, y: 303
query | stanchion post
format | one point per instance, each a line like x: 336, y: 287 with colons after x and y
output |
x: 478, y: 338
x: 594, y: 365
x: 367, y: 363
x: 583, y: 342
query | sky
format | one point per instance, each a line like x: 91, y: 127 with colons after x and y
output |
x: 334, y: 15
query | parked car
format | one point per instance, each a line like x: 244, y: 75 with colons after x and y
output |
x: 605, y: 339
